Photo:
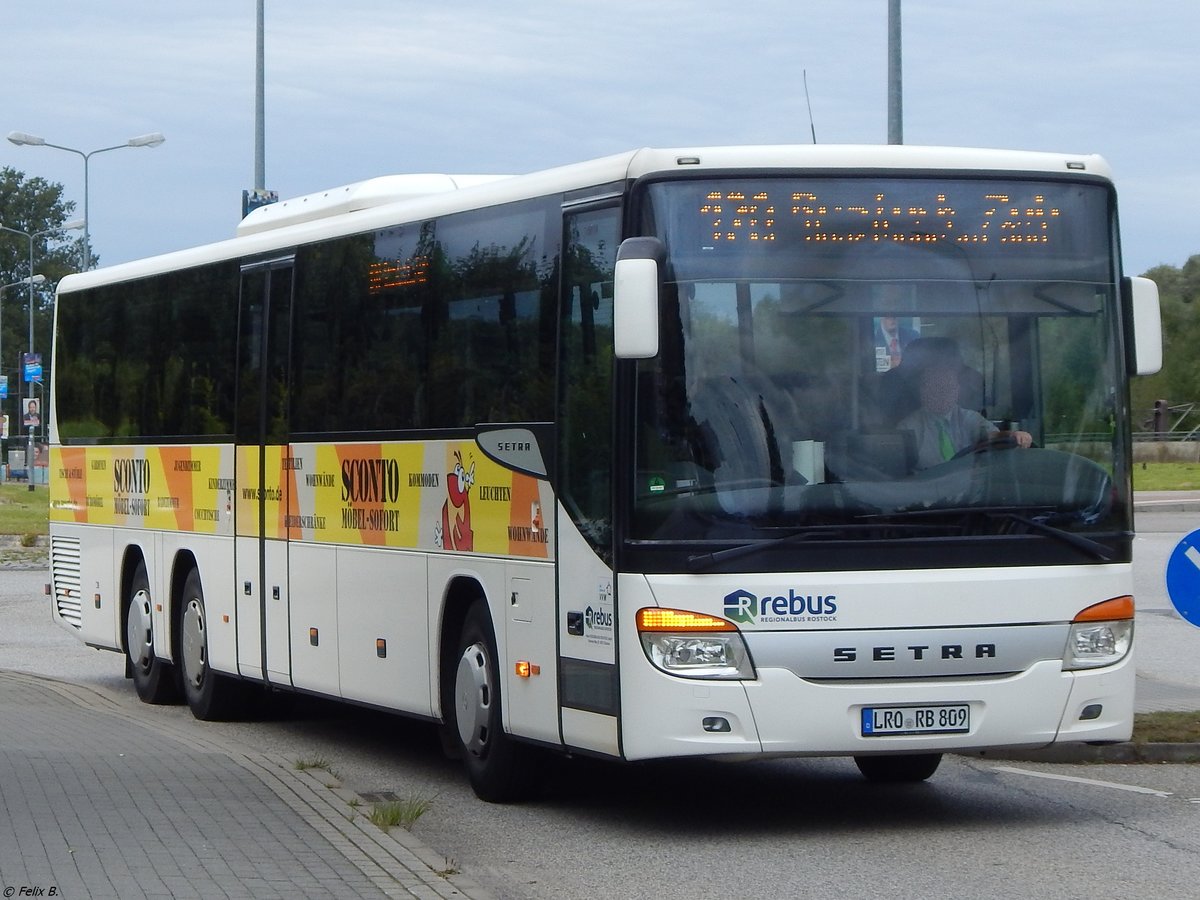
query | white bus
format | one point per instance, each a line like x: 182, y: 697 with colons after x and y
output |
x: 639, y: 458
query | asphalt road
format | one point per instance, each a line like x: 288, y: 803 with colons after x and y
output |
x: 788, y: 828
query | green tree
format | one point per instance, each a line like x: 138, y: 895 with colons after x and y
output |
x: 1179, y: 380
x: 33, y: 206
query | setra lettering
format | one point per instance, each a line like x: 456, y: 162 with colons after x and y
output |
x: 916, y: 652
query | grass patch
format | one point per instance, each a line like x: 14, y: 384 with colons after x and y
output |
x: 403, y: 813
x: 22, y: 511
x: 450, y: 868
x: 317, y: 762
x: 1166, y: 728
x: 1166, y: 476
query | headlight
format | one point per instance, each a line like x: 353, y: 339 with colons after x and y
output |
x: 1101, y: 635
x: 1098, y: 644
x: 693, y: 645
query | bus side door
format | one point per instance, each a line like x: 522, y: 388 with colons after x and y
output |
x: 263, y: 472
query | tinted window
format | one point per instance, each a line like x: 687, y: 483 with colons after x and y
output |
x: 151, y: 358
x: 435, y: 324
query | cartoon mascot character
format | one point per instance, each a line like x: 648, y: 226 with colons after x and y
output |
x: 454, y: 532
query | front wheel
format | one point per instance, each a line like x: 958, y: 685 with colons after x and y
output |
x: 211, y: 696
x: 499, y: 768
x: 898, y: 769
x: 153, y: 678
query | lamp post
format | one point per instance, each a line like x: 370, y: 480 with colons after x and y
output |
x: 75, y: 223
x: 20, y: 138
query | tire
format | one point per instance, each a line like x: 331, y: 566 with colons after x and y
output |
x: 212, y: 697
x: 153, y: 678
x: 898, y: 769
x: 500, y: 769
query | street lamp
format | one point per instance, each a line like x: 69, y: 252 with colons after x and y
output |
x: 73, y: 224
x: 20, y: 138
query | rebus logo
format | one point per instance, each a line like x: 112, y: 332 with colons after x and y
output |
x: 745, y: 607
x: 741, y: 606
x: 597, y: 618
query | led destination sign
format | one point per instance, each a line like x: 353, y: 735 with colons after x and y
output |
x: 860, y: 213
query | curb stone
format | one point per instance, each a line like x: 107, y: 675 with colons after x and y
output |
x: 1124, y: 753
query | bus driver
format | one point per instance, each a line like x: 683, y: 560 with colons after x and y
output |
x: 942, y: 427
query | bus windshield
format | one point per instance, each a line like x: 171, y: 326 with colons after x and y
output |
x: 853, y: 358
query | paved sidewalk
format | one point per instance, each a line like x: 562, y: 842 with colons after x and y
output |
x: 98, y: 803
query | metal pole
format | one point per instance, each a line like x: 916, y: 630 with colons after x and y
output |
x: 3, y: 403
x: 260, y: 163
x: 87, y: 216
x: 895, y: 87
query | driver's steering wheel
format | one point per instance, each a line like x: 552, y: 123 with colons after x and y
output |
x: 1000, y: 440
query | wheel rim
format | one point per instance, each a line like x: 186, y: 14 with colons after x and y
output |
x: 195, y: 653
x: 139, y: 630
x: 473, y: 699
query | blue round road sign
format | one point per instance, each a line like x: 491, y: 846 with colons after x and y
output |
x: 1183, y: 577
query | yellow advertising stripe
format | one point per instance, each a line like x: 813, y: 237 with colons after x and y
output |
x: 173, y: 488
x: 431, y: 495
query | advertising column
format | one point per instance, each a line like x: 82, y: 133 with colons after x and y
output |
x: 31, y: 411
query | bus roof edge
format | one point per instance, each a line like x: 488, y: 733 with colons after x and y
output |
x: 353, y: 197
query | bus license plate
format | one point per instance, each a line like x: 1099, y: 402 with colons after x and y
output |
x: 889, y: 720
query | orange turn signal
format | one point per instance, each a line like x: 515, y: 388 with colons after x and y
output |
x: 1116, y: 608
x: 656, y: 619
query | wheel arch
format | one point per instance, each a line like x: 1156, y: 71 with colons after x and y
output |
x: 181, y: 566
x: 460, y: 593
x: 134, y: 554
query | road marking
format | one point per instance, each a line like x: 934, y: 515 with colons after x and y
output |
x: 1095, y: 783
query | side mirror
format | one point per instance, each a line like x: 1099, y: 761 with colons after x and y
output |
x: 636, y: 283
x: 1146, y: 324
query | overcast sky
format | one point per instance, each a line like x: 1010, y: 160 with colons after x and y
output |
x: 359, y: 88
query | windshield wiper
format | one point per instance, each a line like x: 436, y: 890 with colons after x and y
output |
x: 1087, y: 545
x: 809, y: 533
x: 1013, y: 514
x: 833, y: 532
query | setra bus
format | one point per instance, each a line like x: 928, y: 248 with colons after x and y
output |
x: 730, y: 453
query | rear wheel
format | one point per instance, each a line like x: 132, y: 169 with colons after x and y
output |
x: 153, y: 678
x: 211, y: 696
x: 898, y: 769
x: 500, y: 769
